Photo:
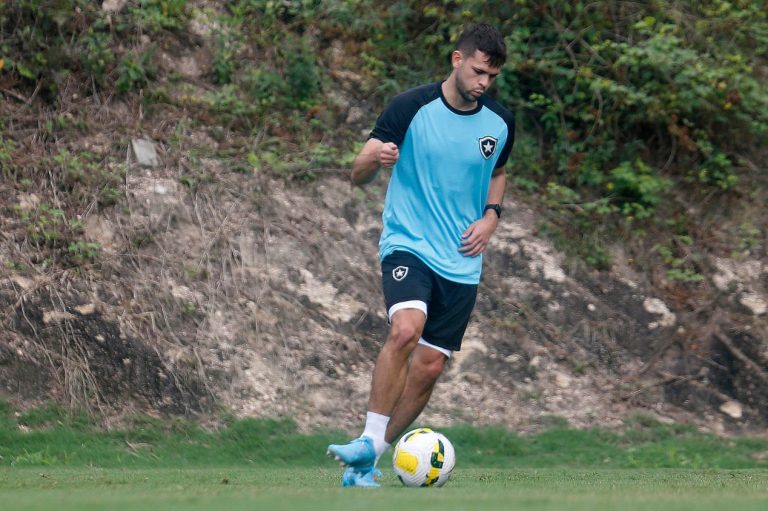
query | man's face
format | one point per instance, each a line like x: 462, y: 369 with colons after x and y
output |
x: 474, y: 75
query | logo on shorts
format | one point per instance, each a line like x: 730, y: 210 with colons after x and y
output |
x: 488, y: 146
x: 399, y: 273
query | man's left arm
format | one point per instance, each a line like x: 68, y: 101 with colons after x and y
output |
x: 476, y: 237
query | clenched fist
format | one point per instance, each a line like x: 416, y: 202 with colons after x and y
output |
x: 388, y: 154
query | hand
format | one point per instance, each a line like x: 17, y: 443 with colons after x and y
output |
x: 476, y: 237
x: 388, y: 154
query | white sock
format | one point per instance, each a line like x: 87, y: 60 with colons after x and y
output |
x: 376, y: 429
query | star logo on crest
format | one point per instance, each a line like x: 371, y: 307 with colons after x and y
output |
x: 399, y: 273
x: 488, y: 146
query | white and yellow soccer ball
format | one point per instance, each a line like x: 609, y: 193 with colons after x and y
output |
x: 424, y: 457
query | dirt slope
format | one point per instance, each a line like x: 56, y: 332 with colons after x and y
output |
x: 256, y: 291
x: 263, y: 297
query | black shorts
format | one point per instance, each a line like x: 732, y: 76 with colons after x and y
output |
x: 409, y: 283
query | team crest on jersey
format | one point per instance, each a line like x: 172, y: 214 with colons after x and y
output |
x: 399, y: 273
x: 488, y: 146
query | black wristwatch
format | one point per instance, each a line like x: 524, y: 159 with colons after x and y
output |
x: 495, y: 207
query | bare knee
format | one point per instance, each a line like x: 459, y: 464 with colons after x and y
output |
x: 406, y: 329
x: 427, y: 366
x: 431, y: 370
x: 404, y: 335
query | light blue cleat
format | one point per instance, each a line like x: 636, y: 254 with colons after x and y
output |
x: 358, y: 453
x: 361, y: 478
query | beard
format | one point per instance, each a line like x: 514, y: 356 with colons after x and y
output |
x: 463, y: 92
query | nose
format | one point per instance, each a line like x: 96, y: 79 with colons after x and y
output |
x: 484, y: 81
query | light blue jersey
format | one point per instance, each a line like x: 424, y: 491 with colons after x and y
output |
x: 439, y: 185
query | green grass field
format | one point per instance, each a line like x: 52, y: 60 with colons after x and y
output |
x: 53, y: 460
x: 242, y: 488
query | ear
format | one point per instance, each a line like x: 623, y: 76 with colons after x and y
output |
x: 456, y: 58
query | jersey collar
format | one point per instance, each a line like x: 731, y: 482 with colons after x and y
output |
x: 455, y: 110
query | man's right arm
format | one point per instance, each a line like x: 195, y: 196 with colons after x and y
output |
x: 374, y: 154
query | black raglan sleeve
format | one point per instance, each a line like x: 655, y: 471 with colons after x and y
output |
x: 394, y: 121
x: 509, y: 118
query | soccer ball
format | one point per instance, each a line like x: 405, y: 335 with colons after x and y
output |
x: 424, y: 458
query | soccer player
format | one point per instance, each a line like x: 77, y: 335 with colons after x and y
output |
x: 446, y: 143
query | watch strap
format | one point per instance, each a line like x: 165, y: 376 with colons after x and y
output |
x: 495, y: 207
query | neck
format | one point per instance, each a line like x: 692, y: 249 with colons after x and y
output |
x: 454, y: 98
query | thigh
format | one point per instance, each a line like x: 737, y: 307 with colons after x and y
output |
x: 449, y: 313
x: 407, y: 283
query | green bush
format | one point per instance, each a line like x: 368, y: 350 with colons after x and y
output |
x: 637, y: 188
x: 227, y: 45
x: 96, y: 54
x: 134, y: 71
x: 627, y: 113
x: 158, y: 15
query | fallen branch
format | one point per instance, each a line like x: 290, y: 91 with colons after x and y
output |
x: 655, y: 356
x: 741, y: 357
x: 666, y: 379
x: 14, y: 95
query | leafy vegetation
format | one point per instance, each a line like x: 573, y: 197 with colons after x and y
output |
x: 628, y: 113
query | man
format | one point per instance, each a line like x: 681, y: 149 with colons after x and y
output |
x: 447, y: 144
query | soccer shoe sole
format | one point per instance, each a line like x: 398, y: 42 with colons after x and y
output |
x: 354, y: 478
x: 361, y: 459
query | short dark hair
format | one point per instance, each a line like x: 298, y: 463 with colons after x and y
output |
x: 485, y: 38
